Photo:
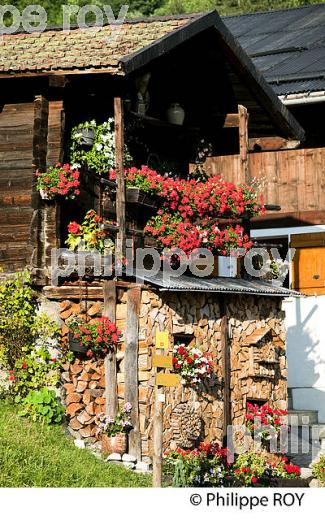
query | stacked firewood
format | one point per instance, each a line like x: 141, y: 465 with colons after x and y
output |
x: 84, y: 387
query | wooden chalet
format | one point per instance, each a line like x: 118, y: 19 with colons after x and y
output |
x: 52, y: 81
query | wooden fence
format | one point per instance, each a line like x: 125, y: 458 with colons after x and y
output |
x: 294, y: 179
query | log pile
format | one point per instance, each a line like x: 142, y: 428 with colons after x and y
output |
x: 84, y: 385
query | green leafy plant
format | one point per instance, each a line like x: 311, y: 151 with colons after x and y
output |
x: 42, y: 405
x: 101, y: 156
x: 89, y: 235
x: 17, y: 315
x: 28, y: 340
x: 319, y: 469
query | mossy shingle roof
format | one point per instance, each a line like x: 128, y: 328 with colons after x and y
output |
x: 93, y: 48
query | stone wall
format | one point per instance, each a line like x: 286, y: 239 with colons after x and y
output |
x: 256, y: 334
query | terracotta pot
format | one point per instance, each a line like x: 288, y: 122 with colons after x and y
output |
x: 117, y: 444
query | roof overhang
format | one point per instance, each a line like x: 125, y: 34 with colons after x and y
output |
x: 240, y: 60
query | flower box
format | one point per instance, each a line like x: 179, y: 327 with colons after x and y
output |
x: 136, y: 196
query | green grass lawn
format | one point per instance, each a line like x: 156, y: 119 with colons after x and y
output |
x: 32, y: 455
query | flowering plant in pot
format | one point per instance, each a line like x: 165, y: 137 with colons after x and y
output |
x: 89, y: 235
x: 265, y: 423
x: 100, y: 157
x: 260, y: 468
x: 145, y: 179
x: 94, y: 339
x: 113, y: 430
x: 191, y: 364
x: 58, y: 180
x: 205, y: 466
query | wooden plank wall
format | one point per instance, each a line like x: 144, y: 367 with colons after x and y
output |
x: 22, y: 218
x: 294, y: 179
x: 16, y: 176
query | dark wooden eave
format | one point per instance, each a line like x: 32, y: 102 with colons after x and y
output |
x: 244, y: 66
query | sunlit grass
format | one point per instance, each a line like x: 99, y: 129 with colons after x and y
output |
x: 33, y: 455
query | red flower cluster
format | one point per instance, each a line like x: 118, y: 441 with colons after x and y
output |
x: 292, y: 469
x: 144, y: 178
x: 191, y: 209
x: 172, y: 232
x: 59, y: 180
x: 99, y: 336
x: 191, y: 364
x: 264, y: 416
x: 213, y: 198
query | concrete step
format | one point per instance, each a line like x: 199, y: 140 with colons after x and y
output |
x: 303, y: 417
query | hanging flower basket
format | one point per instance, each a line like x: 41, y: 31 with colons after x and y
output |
x: 76, y: 346
x: 87, y: 136
x: 116, y: 444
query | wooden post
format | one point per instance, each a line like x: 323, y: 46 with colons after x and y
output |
x: 109, y: 290
x: 226, y: 372
x: 157, y: 430
x: 120, y: 192
x: 40, y: 134
x: 243, y: 143
x: 131, y: 389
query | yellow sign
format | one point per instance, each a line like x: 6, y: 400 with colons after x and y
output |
x: 168, y: 379
x: 162, y: 361
x: 162, y: 340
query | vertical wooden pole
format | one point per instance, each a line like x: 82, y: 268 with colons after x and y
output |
x: 243, y: 143
x: 37, y: 239
x: 109, y: 288
x: 131, y: 389
x: 226, y: 372
x: 158, y: 427
x: 119, y: 159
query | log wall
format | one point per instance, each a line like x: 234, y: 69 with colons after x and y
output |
x: 294, y: 179
x: 31, y: 136
x: 16, y: 176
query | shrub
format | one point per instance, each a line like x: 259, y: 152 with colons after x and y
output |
x: 17, y: 314
x: 28, y: 341
x: 319, y: 469
x: 42, y: 405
